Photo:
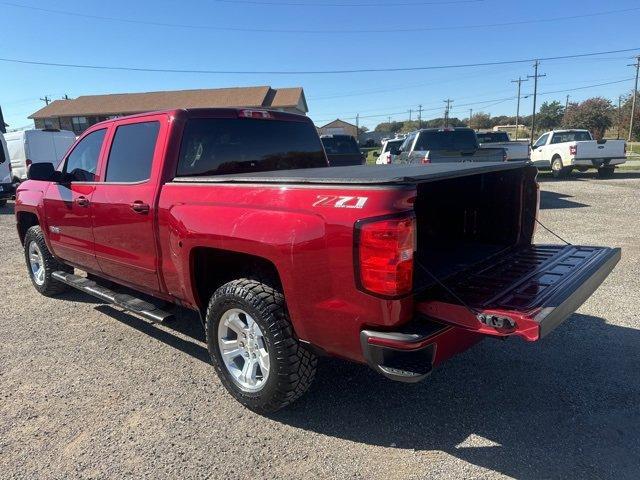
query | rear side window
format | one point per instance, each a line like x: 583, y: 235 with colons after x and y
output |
x: 570, y: 137
x: 340, y: 145
x: 493, y: 137
x: 131, y: 152
x: 447, y: 140
x: 216, y: 146
x: 83, y: 160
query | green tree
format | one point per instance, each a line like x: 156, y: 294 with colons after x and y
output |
x: 481, y: 120
x: 624, y: 117
x: 550, y: 115
x: 594, y: 114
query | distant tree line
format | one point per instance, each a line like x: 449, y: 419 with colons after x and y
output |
x: 598, y: 115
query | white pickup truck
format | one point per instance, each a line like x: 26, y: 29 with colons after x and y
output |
x: 564, y: 150
x: 516, y: 151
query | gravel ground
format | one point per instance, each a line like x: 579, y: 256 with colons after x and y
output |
x: 91, y: 392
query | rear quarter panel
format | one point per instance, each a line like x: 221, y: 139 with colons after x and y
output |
x: 298, y: 229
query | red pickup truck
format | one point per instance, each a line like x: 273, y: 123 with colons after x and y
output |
x: 235, y: 214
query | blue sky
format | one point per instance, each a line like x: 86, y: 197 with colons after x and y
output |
x: 385, y: 39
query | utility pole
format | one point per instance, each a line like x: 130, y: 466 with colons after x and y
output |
x: 358, y: 127
x: 410, y: 114
x: 448, y: 101
x: 419, y: 116
x: 566, y: 104
x: 470, y: 116
x: 535, y: 77
x: 66, y: 97
x: 619, y: 114
x: 635, y: 95
x: 519, y: 82
x: 46, y: 99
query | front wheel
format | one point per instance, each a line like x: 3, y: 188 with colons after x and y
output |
x: 253, y: 347
x: 41, y: 264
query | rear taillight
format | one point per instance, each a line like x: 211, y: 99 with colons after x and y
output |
x: 504, y: 156
x: 426, y: 158
x: 28, y: 162
x: 384, y: 255
x: 573, y: 149
x: 388, y: 157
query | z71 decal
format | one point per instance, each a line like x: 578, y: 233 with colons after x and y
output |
x: 340, y: 201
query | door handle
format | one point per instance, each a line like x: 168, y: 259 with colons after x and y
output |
x: 82, y: 201
x: 140, y: 207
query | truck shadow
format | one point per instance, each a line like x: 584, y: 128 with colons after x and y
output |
x: 553, y: 200
x: 567, y: 407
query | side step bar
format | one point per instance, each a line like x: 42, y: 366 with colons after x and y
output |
x: 127, y: 302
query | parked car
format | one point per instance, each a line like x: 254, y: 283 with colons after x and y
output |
x: 436, y: 145
x: 390, y: 148
x: 35, y: 146
x: 516, y: 151
x: 342, y: 150
x: 563, y: 150
x: 236, y: 215
x: 6, y: 183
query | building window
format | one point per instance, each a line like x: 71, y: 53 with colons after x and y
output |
x: 80, y: 124
x: 51, y: 123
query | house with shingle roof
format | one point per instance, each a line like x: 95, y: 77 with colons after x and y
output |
x: 80, y: 113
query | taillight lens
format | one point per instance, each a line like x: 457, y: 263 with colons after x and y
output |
x: 573, y: 149
x: 426, y: 158
x: 385, y: 249
x: 28, y: 162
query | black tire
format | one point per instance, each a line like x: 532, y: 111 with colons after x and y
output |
x: 49, y: 286
x: 292, y: 365
x: 558, y: 170
x: 606, y: 172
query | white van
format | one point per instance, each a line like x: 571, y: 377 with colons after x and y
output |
x: 35, y: 146
x: 6, y: 183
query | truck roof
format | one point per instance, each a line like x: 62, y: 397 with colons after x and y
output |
x: 361, y: 174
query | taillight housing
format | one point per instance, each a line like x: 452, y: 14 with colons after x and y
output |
x: 384, y: 250
x: 573, y: 149
x: 28, y: 162
x: 426, y: 158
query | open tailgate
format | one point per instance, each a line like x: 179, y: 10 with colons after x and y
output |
x: 526, y: 291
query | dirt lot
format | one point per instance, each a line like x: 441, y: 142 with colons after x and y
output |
x: 89, y: 391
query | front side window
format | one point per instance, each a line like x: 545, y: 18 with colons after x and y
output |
x: 82, y: 162
x: 131, y: 152
x: 541, y: 141
x: 217, y: 146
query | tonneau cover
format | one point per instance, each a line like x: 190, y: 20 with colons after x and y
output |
x: 362, y: 174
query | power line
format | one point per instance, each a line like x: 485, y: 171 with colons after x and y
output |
x: 307, y: 72
x: 300, y: 4
x: 316, y: 31
x: 307, y: 31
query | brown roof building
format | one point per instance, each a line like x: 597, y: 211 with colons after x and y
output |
x: 80, y: 113
x: 339, y: 127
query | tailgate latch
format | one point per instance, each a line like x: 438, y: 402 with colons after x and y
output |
x: 496, y: 321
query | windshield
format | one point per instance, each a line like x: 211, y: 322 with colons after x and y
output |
x: 238, y: 145
x: 493, y: 137
x: 446, y: 140
x: 573, y: 136
x: 340, y: 145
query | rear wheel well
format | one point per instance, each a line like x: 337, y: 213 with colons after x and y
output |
x: 26, y: 220
x: 211, y: 268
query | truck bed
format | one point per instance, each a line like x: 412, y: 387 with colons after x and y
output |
x: 361, y: 174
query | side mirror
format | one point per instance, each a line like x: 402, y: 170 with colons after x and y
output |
x: 44, y: 171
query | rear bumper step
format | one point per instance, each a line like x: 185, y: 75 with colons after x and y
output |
x: 404, y: 356
x: 127, y: 302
